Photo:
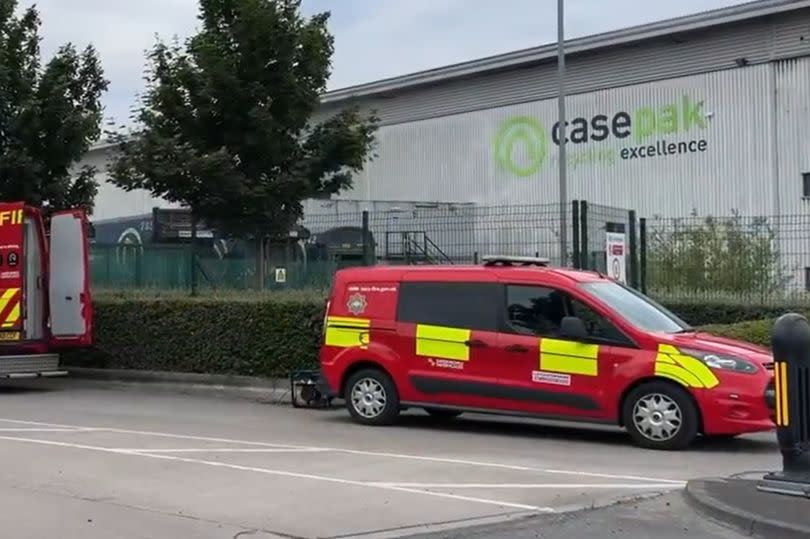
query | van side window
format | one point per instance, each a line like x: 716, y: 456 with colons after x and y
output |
x: 538, y: 310
x: 598, y: 326
x: 534, y: 310
x: 458, y: 305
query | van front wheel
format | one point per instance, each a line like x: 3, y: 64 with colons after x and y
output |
x: 661, y: 415
x: 372, y: 397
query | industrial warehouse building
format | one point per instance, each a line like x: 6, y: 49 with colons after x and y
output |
x: 708, y: 113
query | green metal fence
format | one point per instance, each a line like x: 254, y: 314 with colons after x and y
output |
x: 734, y: 259
x: 170, y: 267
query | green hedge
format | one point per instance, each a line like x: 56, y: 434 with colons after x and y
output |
x: 753, y: 331
x: 216, y: 336
x: 703, y: 313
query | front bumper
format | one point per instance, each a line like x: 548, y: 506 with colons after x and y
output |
x: 770, y: 399
x: 738, y: 410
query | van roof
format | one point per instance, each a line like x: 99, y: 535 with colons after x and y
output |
x: 453, y: 272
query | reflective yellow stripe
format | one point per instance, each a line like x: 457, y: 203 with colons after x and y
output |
x: 686, y: 370
x: 777, y: 382
x: 698, y: 369
x: 678, y: 374
x: 6, y: 297
x: 442, y: 342
x: 569, y: 357
x: 14, y: 315
x: 346, y: 321
x: 344, y: 332
x: 784, y: 394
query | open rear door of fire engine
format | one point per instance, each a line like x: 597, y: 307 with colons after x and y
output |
x: 69, y: 280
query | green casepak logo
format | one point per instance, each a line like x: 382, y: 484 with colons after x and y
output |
x: 521, y: 132
x: 521, y: 143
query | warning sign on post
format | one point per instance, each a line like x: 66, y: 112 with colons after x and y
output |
x: 616, y: 251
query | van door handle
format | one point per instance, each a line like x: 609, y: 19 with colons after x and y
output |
x: 517, y: 349
x: 475, y: 343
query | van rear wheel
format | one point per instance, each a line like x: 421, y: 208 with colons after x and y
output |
x: 372, y: 397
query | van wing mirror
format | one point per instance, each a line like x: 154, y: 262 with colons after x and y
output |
x: 573, y: 328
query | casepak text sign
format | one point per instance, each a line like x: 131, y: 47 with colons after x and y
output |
x: 520, y: 146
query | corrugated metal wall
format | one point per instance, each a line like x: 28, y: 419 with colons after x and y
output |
x: 760, y: 41
x: 451, y: 159
x: 455, y: 158
x: 792, y: 136
x: 791, y: 143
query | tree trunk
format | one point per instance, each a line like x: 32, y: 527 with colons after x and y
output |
x: 193, y: 257
x: 260, y: 261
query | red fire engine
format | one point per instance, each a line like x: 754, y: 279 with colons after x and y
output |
x: 45, y: 304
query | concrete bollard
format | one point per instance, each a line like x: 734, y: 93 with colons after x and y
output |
x: 790, y: 341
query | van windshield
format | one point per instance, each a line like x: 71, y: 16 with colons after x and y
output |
x: 636, y: 308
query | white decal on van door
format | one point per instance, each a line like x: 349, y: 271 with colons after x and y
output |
x: 552, y: 378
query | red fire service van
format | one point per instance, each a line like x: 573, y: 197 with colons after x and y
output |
x: 45, y: 302
x: 515, y: 336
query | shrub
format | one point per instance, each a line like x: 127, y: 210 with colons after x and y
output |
x: 753, y: 331
x: 702, y: 313
x: 715, y: 255
x: 239, y: 336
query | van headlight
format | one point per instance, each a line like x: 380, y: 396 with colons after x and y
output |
x: 723, y: 362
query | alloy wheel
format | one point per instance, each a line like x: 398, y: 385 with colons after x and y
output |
x: 657, y: 417
x: 368, y: 398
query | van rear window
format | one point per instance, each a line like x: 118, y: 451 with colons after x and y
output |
x: 460, y: 305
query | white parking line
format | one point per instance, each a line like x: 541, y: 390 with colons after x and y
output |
x: 156, y: 434
x: 223, y: 450
x: 485, y: 464
x: 43, y: 429
x: 618, y: 486
x: 282, y: 473
x: 482, y: 464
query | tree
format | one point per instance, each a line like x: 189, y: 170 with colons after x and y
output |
x: 49, y: 116
x: 224, y: 125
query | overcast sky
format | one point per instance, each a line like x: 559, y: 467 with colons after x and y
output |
x: 374, y: 39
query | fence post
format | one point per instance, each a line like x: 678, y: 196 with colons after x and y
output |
x: 139, y: 267
x: 583, y: 232
x: 575, y: 231
x: 643, y: 254
x: 108, y: 264
x: 790, y: 396
x: 633, y: 246
x: 366, y: 246
x: 475, y: 258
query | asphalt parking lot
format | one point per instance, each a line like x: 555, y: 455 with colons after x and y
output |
x: 86, y: 461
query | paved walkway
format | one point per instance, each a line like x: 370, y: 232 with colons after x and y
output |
x: 98, y: 463
x: 738, y: 502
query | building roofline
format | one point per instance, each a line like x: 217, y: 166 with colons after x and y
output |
x: 733, y: 14
x: 741, y: 12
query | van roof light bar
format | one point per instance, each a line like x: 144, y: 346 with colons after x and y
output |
x: 499, y: 260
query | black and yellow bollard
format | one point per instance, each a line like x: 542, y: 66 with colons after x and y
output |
x: 790, y: 341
